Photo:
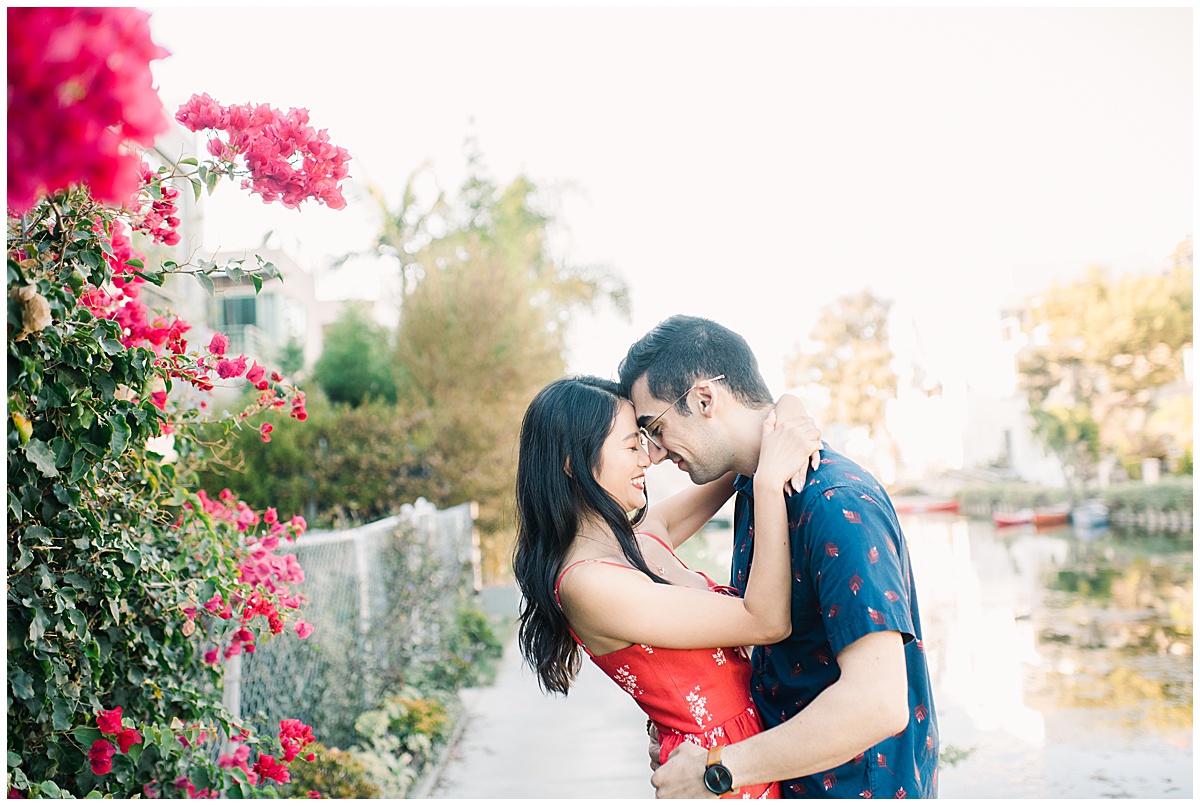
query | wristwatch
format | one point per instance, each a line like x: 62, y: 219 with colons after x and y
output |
x: 717, y: 777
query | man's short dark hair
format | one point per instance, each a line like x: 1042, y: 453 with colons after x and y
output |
x: 684, y: 349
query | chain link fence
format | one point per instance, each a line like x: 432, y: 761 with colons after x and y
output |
x: 379, y: 598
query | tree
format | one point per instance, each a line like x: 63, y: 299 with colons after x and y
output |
x: 356, y: 363
x: 853, y: 360
x: 482, y: 328
x: 1110, y: 348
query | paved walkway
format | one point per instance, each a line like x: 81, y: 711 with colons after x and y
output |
x: 521, y: 743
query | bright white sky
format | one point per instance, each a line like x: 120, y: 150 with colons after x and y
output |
x: 749, y: 166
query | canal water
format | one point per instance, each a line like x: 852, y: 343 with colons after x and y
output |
x: 1062, y: 661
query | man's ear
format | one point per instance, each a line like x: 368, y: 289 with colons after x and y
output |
x: 706, y: 397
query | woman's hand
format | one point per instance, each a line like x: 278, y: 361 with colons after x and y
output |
x: 790, y: 410
x: 788, y: 448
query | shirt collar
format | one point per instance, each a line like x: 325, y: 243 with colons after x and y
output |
x: 744, y: 484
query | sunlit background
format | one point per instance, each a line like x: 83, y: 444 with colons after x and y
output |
x: 747, y: 166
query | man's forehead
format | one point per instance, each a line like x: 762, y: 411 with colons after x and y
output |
x: 645, y: 405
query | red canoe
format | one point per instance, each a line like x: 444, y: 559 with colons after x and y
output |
x: 1044, y: 516
x: 1013, y: 518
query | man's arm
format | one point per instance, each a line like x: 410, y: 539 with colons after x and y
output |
x: 867, y: 704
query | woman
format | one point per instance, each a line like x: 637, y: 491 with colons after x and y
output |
x: 666, y: 634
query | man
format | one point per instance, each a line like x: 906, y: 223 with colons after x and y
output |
x: 846, y: 699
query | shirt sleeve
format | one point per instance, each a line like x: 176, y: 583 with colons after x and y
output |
x: 855, y: 558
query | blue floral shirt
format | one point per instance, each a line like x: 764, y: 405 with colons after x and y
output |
x: 851, y: 576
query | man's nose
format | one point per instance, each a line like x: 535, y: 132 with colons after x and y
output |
x: 656, y: 453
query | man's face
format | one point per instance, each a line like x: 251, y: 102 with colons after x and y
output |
x: 689, y: 442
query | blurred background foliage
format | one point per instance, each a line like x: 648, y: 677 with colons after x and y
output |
x: 431, y: 406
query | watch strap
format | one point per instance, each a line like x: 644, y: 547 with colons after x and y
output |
x: 714, y: 756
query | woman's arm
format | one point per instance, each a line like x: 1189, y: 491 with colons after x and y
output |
x: 616, y: 604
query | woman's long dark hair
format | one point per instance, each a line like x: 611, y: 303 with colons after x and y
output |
x: 565, y: 425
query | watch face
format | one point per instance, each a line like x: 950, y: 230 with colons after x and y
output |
x: 717, y: 779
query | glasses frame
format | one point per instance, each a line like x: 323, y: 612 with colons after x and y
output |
x: 645, y: 429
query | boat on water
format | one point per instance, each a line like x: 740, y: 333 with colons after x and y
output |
x: 1041, y: 516
x: 1052, y: 516
x: 1013, y: 518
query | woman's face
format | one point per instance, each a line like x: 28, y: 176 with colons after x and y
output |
x: 623, y: 462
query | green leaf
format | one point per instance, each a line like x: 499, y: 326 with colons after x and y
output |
x: 211, y: 181
x: 235, y: 272
x: 207, y: 284
x: 22, y: 689
x: 254, y: 278
x: 87, y: 736
x: 64, y: 712
x: 107, y: 387
x: 14, y: 760
x: 79, y: 622
x: 111, y: 346
x: 120, y: 434
x: 49, y: 788
x: 197, y: 186
x: 189, y: 161
x: 151, y: 276
x: 42, y: 457
x: 38, y: 624
x: 136, y: 263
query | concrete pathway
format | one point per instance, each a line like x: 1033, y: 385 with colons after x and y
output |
x: 520, y: 743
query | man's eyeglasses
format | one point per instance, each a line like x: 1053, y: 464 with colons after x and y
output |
x: 645, y: 429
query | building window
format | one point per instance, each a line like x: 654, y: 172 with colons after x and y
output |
x: 239, y: 311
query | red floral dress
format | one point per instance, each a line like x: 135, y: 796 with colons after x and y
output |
x: 692, y: 695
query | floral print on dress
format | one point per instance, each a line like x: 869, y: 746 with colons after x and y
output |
x: 698, y: 705
x: 627, y: 680
x: 649, y: 649
x: 719, y: 657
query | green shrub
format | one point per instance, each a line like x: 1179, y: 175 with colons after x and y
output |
x: 334, y: 774
x: 344, y: 464
x: 1172, y: 494
x: 1011, y: 495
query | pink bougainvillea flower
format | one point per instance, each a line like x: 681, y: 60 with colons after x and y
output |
x: 288, y: 161
x: 271, y: 515
x: 100, y: 757
x: 127, y: 739
x: 212, y: 656
x: 294, y: 736
x: 255, y: 373
x: 231, y: 367
x: 265, y: 430
x: 304, y: 629
x: 109, y: 722
x: 219, y: 344
x: 79, y: 87
x: 268, y: 768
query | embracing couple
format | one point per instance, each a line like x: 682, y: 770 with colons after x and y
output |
x: 834, y: 700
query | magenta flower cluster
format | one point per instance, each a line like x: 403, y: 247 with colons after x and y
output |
x: 79, y: 87
x: 288, y: 160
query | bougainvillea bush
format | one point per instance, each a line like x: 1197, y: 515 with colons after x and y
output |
x: 129, y: 587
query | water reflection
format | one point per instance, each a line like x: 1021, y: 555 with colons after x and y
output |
x: 1062, y: 662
